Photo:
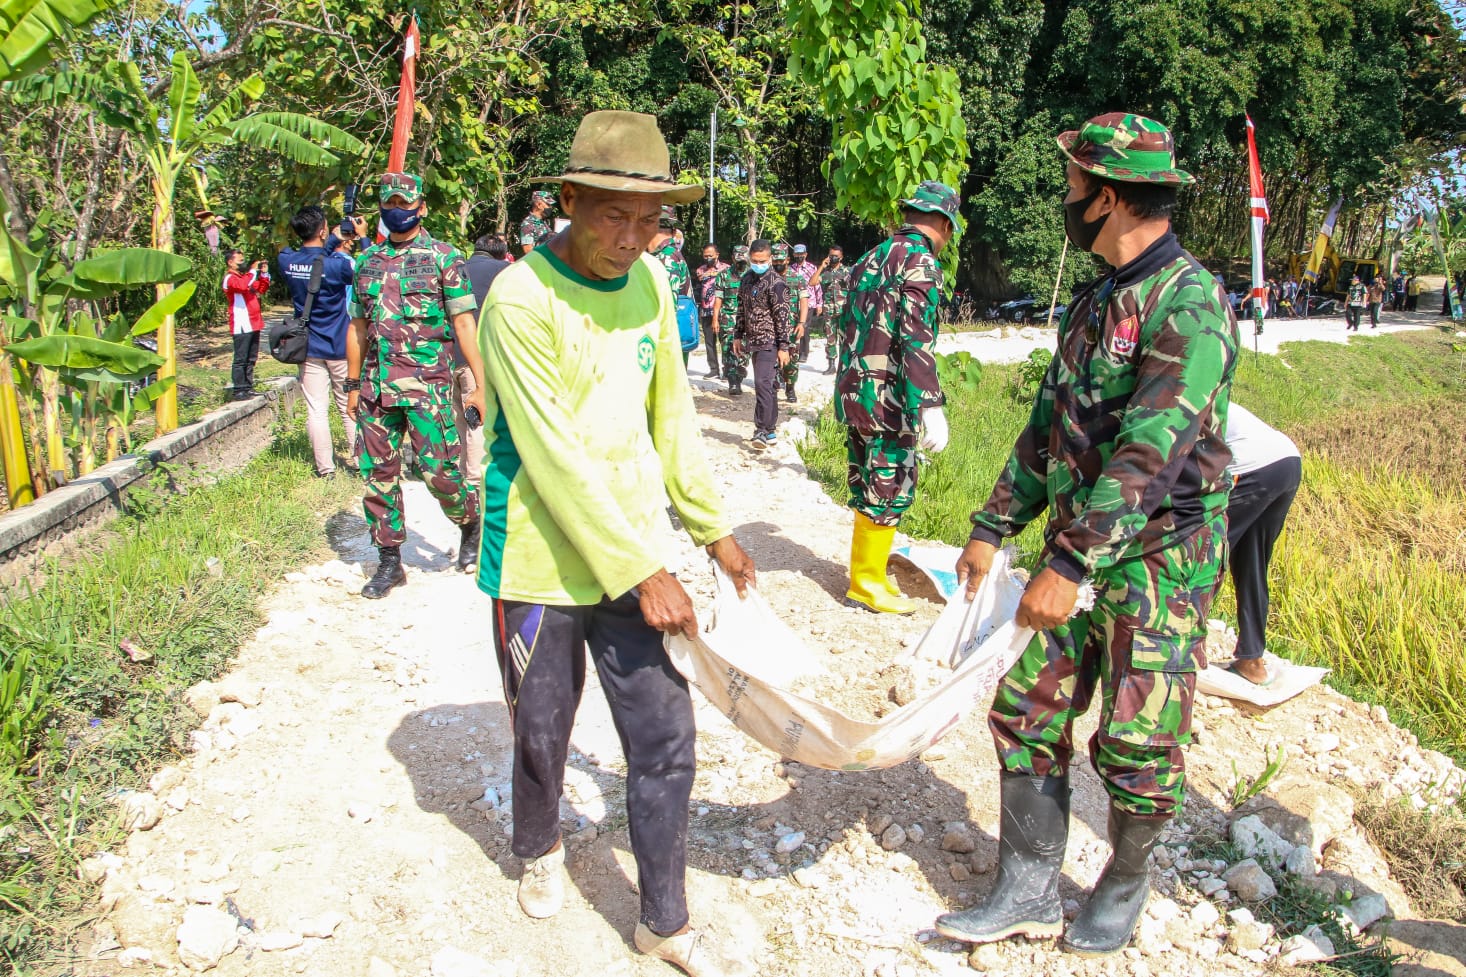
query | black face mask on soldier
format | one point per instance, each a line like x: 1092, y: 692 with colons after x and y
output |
x: 1082, y: 233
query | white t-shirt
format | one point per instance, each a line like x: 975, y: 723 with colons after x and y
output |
x: 1254, y: 444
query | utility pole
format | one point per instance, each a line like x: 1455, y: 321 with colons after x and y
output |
x: 712, y: 173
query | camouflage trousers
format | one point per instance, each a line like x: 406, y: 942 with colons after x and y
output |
x: 1143, y: 642
x: 823, y: 327
x: 735, y: 368
x: 431, y: 431
x: 790, y: 373
x: 881, y: 472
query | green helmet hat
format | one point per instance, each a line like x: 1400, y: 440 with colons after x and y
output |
x: 546, y: 196
x: 1125, y: 147
x: 937, y: 198
x: 408, y: 186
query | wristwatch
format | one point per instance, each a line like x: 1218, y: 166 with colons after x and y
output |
x: 351, y: 386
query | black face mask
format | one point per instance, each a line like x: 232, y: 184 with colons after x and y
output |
x: 1082, y: 233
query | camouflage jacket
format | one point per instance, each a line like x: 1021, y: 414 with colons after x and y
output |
x: 888, y: 370
x: 763, y: 311
x: 727, y: 286
x: 533, y: 231
x: 707, y: 286
x: 798, y: 286
x: 671, y: 260
x: 1124, y: 443
x: 836, y: 284
x: 816, y: 294
x: 408, y: 294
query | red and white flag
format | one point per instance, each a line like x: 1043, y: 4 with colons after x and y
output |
x: 1259, y: 218
x: 406, y: 100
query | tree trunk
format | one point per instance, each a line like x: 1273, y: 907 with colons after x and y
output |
x: 167, y: 406
x: 18, y: 488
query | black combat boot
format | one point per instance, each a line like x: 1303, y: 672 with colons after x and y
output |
x: 789, y: 393
x: 1108, y: 919
x: 1033, y: 832
x: 389, y: 574
x: 468, y: 546
x: 735, y: 389
x: 829, y: 368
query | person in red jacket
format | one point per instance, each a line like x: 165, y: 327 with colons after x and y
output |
x: 243, y: 286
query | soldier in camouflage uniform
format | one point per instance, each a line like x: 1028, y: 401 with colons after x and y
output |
x: 412, y: 301
x: 535, y: 229
x: 886, y: 391
x: 1124, y: 449
x: 725, y: 314
x: 802, y: 265
x: 833, y: 277
x: 798, y: 287
x: 664, y: 248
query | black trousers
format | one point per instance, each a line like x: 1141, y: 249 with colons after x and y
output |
x: 242, y: 372
x: 1352, y: 315
x: 765, y: 390
x: 1255, y: 515
x: 541, y: 653
x: 710, y: 345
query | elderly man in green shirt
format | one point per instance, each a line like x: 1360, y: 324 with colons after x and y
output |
x: 591, y: 429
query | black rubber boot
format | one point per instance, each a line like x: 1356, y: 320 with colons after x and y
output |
x: 468, y: 546
x: 1108, y: 919
x: 389, y: 574
x: 1032, y: 835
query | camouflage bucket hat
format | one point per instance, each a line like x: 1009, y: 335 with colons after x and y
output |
x: 937, y: 198
x: 780, y: 252
x: 623, y: 152
x: 740, y: 252
x: 1125, y: 147
x: 405, y: 185
x: 669, y: 217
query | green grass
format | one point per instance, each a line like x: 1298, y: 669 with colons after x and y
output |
x: 1297, y: 907
x: 1367, y: 578
x: 955, y: 482
x: 95, y: 722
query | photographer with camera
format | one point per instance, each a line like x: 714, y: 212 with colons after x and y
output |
x: 323, y: 374
x: 244, y: 283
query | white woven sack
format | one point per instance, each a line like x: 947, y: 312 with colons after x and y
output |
x: 746, y: 657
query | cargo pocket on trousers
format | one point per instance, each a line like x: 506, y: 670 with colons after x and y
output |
x: 1154, y: 693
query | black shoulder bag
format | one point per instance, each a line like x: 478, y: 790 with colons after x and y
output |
x: 290, y: 336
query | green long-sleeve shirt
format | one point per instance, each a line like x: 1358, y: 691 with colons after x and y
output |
x: 1124, y: 444
x: 591, y: 429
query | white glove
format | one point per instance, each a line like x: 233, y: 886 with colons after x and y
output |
x: 934, y: 432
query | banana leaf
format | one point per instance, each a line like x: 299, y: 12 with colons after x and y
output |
x: 63, y: 351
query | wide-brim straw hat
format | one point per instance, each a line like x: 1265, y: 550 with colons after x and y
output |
x: 624, y: 152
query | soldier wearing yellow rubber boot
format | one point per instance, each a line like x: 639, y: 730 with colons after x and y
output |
x: 886, y: 390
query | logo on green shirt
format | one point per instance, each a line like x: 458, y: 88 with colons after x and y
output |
x: 646, y: 354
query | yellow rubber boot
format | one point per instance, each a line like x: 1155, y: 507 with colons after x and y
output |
x: 870, y: 547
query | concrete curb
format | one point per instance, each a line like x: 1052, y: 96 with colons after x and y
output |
x: 56, y: 525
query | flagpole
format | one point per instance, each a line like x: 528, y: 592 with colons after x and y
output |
x: 1054, y: 299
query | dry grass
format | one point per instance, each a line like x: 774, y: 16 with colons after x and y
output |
x: 1426, y: 852
x: 1425, y: 439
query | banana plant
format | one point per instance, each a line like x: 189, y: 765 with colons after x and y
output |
x: 172, y: 140
x: 57, y: 349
